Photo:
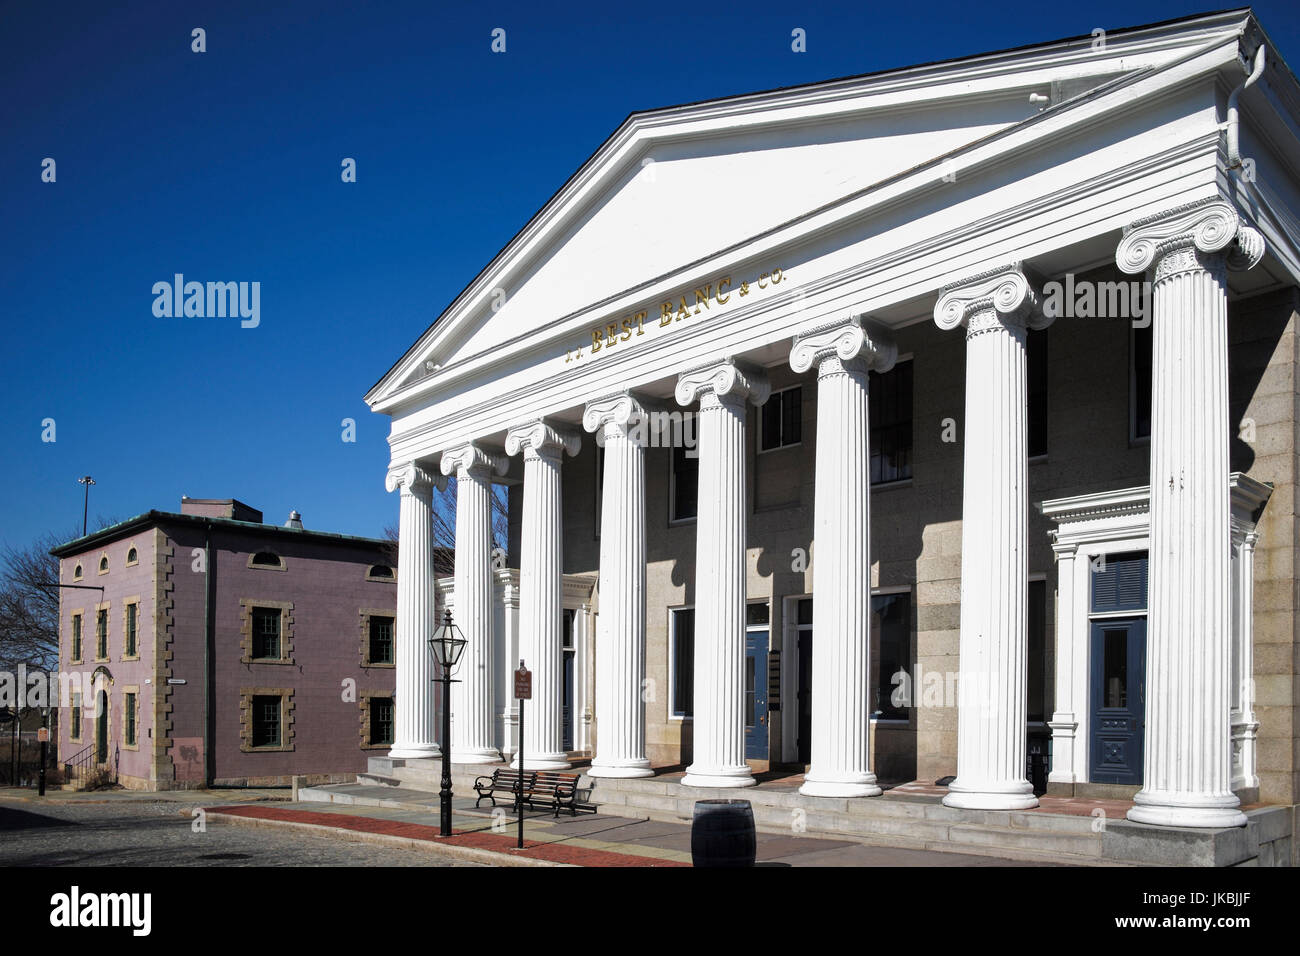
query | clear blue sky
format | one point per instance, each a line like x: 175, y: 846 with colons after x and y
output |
x: 225, y: 166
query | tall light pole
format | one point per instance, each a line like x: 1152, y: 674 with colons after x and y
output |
x: 85, y: 511
x: 446, y: 645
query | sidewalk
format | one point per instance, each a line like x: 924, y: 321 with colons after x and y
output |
x: 222, y: 795
x: 587, y: 840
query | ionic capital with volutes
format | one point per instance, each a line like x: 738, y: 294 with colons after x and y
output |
x: 843, y: 344
x: 1207, y: 235
x: 539, y: 437
x: 727, y: 381
x: 413, y: 478
x: 473, y: 459
x: 1006, y: 297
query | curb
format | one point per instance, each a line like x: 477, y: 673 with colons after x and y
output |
x: 469, y: 854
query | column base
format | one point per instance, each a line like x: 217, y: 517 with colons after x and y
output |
x: 544, y: 761
x: 631, y: 768
x: 1012, y: 796
x: 850, y: 785
x: 415, y: 752
x: 474, y: 756
x: 1175, y: 810
x: 720, y: 777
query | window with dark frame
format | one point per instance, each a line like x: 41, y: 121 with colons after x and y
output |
x: 683, y: 662
x: 131, y: 614
x: 381, y: 640
x: 686, y: 482
x: 381, y: 571
x: 1036, y: 391
x: 101, y: 634
x: 128, y: 717
x: 266, y: 721
x: 891, y: 424
x: 76, y: 637
x: 266, y: 559
x: 381, y: 720
x: 74, y: 731
x: 1036, y: 674
x: 891, y: 632
x: 266, y: 633
x: 1140, y: 346
x: 781, y: 419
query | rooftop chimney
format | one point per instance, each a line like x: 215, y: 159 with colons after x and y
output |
x: 295, y: 521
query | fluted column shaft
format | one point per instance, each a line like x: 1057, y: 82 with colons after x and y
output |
x: 541, y: 607
x: 1187, y: 757
x: 996, y: 308
x: 719, y: 718
x: 841, y: 664
x: 415, y: 730
x: 620, y: 425
x: 473, y: 735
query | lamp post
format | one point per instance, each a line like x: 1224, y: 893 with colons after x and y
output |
x: 85, y: 510
x: 446, y: 645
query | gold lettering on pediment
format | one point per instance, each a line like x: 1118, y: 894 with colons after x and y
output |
x: 680, y: 307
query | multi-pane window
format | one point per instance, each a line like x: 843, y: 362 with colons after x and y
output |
x: 76, y: 637
x: 74, y: 730
x: 381, y: 720
x: 132, y: 611
x: 1036, y: 391
x: 128, y: 717
x: 101, y: 634
x: 266, y: 721
x: 1140, y: 346
x: 683, y: 672
x: 891, y: 633
x: 686, y: 482
x: 381, y: 640
x: 266, y: 633
x: 781, y: 419
x: 891, y: 424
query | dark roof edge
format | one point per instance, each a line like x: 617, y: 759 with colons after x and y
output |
x: 150, y: 518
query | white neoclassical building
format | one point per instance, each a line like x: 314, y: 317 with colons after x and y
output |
x: 936, y: 424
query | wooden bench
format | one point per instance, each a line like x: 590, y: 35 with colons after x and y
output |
x: 544, y: 788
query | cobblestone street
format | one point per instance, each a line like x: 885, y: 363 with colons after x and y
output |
x: 159, y: 833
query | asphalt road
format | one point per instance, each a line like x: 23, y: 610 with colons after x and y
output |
x: 161, y: 834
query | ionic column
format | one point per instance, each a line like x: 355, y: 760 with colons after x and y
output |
x: 1187, y: 761
x: 722, y: 389
x: 619, y: 422
x: 473, y: 739
x: 841, y: 666
x: 415, y: 731
x: 996, y: 308
x: 541, y: 599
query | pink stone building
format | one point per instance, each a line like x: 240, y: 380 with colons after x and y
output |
x: 220, y: 650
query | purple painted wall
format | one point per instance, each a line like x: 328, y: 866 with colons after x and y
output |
x: 324, y: 577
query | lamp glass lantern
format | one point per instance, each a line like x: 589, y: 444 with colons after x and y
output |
x: 447, y: 644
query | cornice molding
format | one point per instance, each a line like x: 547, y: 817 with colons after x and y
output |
x: 413, y: 478
x: 542, y: 438
x: 725, y: 379
x: 846, y: 340
x: 1210, y: 226
x: 473, y: 459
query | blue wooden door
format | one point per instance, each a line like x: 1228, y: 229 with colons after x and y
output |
x: 756, y: 695
x: 1118, y: 700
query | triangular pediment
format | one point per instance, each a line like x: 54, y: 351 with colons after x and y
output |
x: 672, y: 187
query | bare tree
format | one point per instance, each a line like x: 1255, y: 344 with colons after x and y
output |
x: 444, y: 525
x: 29, y: 604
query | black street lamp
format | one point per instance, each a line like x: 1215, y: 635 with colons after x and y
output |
x: 446, y: 645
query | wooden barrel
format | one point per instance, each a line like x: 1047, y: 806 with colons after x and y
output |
x: 722, y: 833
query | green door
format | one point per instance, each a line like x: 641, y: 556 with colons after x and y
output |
x: 101, y: 729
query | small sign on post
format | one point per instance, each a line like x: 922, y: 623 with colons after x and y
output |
x: 43, y: 735
x: 523, y: 692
